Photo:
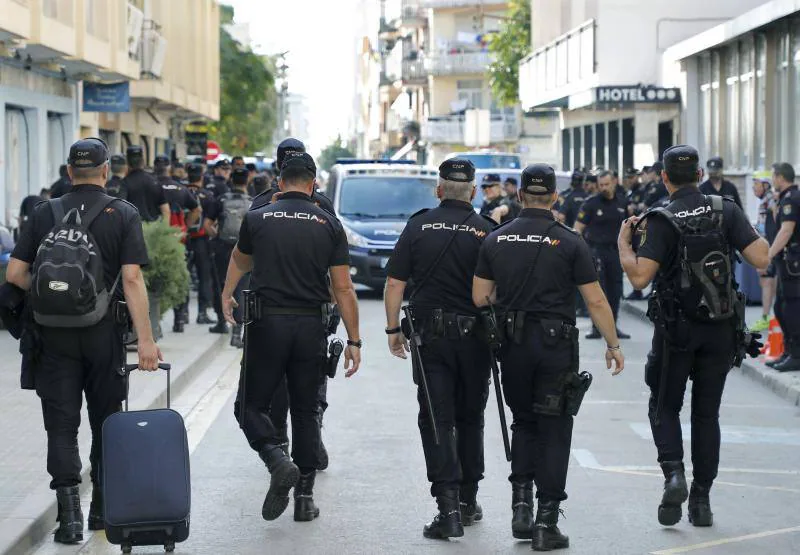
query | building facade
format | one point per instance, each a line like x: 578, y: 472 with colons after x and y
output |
x: 168, y: 50
x: 599, y: 63
x: 740, y: 84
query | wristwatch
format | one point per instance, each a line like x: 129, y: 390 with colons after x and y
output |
x: 393, y: 331
x: 355, y: 343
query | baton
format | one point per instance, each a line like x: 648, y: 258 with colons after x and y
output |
x: 498, y: 392
x: 416, y: 343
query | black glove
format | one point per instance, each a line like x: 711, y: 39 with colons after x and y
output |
x: 752, y: 345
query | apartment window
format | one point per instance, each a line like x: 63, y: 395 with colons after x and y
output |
x: 761, y: 102
x: 60, y: 10
x: 96, y: 18
x: 782, y: 105
x: 732, y: 119
x: 713, y: 144
x: 747, y: 84
x: 471, y: 91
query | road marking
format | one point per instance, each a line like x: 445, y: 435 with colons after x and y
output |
x: 725, y: 541
x: 742, y: 435
x: 587, y: 460
x: 646, y: 402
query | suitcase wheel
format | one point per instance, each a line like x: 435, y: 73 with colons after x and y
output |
x: 169, y: 547
x: 127, y: 548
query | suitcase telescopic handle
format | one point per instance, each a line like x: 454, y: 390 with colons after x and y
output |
x: 128, y: 368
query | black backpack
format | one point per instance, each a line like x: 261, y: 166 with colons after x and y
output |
x: 235, y: 206
x: 701, y: 279
x: 68, y: 286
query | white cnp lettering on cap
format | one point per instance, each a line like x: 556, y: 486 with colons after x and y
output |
x: 699, y: 211
x: 545, y: 240
x: 82, y: 153
x: 440, y: 226
x: 295, y: 216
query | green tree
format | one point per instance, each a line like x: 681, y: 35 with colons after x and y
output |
x: 509, y: 46
x: 247, y: 95
x: 332, y: 152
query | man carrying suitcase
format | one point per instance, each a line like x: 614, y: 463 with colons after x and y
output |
x: 75, y: 319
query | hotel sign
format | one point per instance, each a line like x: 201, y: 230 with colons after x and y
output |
x: 637, y: 94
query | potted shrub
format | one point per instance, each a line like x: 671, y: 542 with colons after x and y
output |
x: 166, y: 277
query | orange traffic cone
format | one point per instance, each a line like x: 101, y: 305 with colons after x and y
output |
x: 774, y: 342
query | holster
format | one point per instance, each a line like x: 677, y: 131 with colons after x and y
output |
x: 334, y: 318
x: 514, y: 325
x: 122, y: 316
x: 576, y: 383
x: 335, y: 350
x: 253, y: 307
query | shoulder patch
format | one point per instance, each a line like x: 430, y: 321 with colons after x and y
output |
x: 787, y: 209
x: 418, y: 213
x: 124, y: 201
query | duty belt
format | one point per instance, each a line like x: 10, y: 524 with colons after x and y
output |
x: 439, y: 322
x: 291, y: 311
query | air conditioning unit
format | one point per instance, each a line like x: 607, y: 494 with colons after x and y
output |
x: 154, y: 49
x: 135, y: 24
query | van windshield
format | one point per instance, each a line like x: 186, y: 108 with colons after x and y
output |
x: 378, y: 197
x: 491, y: 161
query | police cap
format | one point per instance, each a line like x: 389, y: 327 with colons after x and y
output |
x: 287, y: 146
x: 631, y: 172
x: 681, y: 158
x: 538, y: 179
x: 88, y: 153
x: 294, y: 161
x: 490, y: 180
x: 239, y: 176
x: 715, y: 163
x: 194, y: 173
x: 457, y: 169
x: 118, y: 160
x: 222, y: 164
x: 161, y: 161
x: 512, y: 181
x: 657, y: 167
x: 577, y: 176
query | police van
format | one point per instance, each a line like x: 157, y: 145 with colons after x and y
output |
x: 374, y: 199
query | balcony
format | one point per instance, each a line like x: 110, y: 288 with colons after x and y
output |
x: 451, y: 129
x: 465, y: 63
x: 406, y: 14
x: 436, y: 4
x: 404, y: 65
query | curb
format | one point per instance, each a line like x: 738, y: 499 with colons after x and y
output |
x: 34, y: 518
x: 785, y: 385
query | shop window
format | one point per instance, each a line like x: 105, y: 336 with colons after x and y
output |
x: 566, y: 149
x: 704, y: 77
x: 600, y: 144
x: 577, y: 144
x: 761, y: 102
x: 613, y: 145
x: 588, y: 145
x: 713, y: 145
x: 628, y: 141
x: 732, y: 106
x: 746, y: 99
x: 781, y: 103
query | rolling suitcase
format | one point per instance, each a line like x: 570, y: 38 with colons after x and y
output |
x: 145, y: 468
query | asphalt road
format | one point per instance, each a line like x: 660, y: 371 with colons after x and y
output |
x: 374, y: 497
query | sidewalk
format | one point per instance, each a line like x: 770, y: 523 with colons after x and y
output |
x: 784, y: 384
x: 27, y: 506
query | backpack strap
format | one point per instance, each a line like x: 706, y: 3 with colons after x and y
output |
x: 717, y: 209
x: 95, y: 211
x: 57, y: 207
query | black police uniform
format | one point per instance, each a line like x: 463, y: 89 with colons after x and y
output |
x: 727, y: 190
x: 61, y: 187
x: 74, y: 361
x: 787, y: 301
x: 700, y: 351
x: 293, y: 243
x: 537, y: 264
x: 454, y: 356
x: 636, y: 198
x: 145, y: 194
x: 218, y: 186
x: 573, y: 200
x: 603, y: 219
x: 198, y: 245
x: 116, y: 187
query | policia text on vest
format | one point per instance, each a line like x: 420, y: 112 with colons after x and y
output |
x: 687, y: 249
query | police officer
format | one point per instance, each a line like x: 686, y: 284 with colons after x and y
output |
x: 225, y: 215
x: 62, y: 185
x: 785, y: 255
x: 767, y: 227
x: 220, y: 181
x: 72, y: 361
x: 116, y: 183
x: 144, y: 192
x: 656, y: 192
x: 438, y: 250
x: 290, y: 246
x: 198, y: 245
x: 495, y: 205
x: 688, y: 341
x: 178, y: 172
x: 573, y: 199
x: 716, y: 184
x: 599, y: 221
x: 534, y: 266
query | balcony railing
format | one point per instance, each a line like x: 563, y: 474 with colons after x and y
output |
x: 451, y: 129
x: 458, y: 64
x: 459, y: 3
x: 414, y: 71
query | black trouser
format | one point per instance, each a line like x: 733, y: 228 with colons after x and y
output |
x: 74, y: 361
x: 458, y: 380
x: 181, y: 312
x: 609, y: 270
x: 787, y: 310
x: 201, y: 258
x: 533, y: 374
x: 222, y: 256
x: 293, y: 347
x: 706, y: 359
x: 279, y: 407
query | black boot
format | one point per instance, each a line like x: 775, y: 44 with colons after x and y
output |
x: 522, y: 505
x: 446, y: 524
x: 471, y: 511
x: 178, y: 327
x: 700, y: 506
x: 283, y: 477
x: 204, y: 318
x: 594, y: 334
x: 96, y: 519
x: 790, y: 364
x: 236, y: 337
x: 70, y: 517
x: 675, y: 493
x: 221, y: 328
x: 546, y: 535
x: 304, y: 508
